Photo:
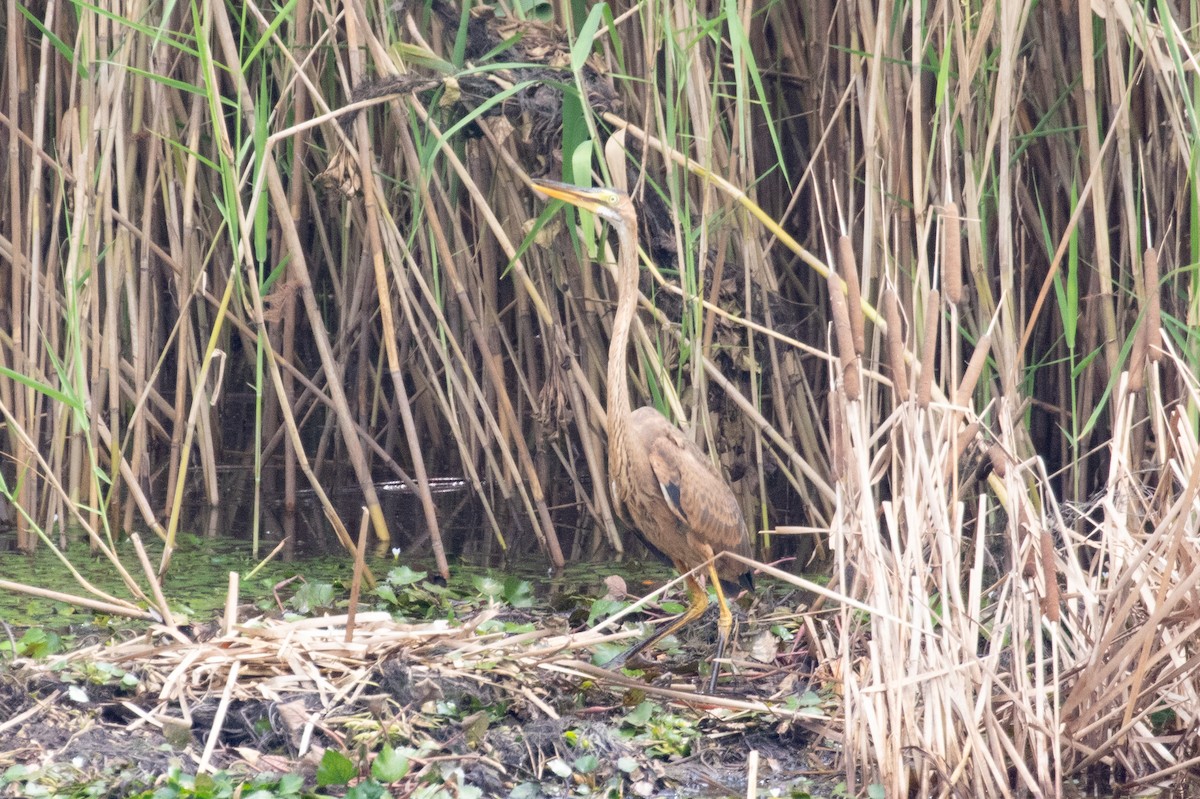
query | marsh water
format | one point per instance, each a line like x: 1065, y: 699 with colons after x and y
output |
x: 213, y: 541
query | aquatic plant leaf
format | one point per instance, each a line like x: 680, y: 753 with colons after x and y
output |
x: 335, y: 769
x: 390, y: 765
x: 403, y: 575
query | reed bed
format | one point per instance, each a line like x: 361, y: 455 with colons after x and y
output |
x: 919, y: 278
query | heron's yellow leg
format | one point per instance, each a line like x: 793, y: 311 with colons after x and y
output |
x: 698, y: 603
x: 724, y: 627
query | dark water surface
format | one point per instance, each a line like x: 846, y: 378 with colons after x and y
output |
x: 212, y: 542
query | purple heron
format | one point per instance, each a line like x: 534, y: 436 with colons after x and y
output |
x: 673, y: 494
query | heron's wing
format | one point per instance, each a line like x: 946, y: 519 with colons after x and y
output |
x: 695, y: 493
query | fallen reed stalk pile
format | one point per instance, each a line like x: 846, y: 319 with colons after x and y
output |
x: 273, y: 658
x: 324, y: 674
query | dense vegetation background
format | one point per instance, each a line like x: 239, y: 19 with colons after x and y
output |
x: 991, y: 444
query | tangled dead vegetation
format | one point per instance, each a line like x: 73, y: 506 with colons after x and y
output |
x: 274, y: 694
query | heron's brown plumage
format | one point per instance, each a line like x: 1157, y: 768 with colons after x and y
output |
x: 670, y: 489
x: 677, y: 499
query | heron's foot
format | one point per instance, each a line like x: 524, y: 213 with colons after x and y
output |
x: 631, y: 658
x: 710, y: 687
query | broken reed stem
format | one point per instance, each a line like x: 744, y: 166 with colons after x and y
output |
x: 1153, y: 305
x: 230, y: 619
x: 155, y: 584
x: 845, y: 339
x: 952, y: 280
x: 928, y: 349
x: 974, y: 368
x: 849, y: 270
x: 218, y: 721
x: 895, y: 345
x: 356, y: 580
x: 110, y: 608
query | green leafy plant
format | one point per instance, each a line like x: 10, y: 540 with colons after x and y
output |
x: 407, y: 593
x: 312, y: 596
x: 100, y: 673
x: 35, y: 642
x: 659, y: 732
x: 510, y: 590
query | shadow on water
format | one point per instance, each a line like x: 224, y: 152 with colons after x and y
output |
x: 310, y: 533
x: 466, y: 532
x: 222, y: 537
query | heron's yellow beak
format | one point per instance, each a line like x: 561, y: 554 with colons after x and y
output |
x: 574, y: 195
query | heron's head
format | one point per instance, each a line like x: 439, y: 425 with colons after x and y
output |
x: 609, y: 204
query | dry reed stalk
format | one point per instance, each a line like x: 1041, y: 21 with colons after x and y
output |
x: 1153, y: 321
x: 1107, y: 700
x: 156, y: 591
x: 98, y: 543
x: 298, y: 272
x: 298, y: 208
x: 1099, y: 199
x: 114, y: 607
x: 391, y: 347
x: 21, y: 720
x: 508, y: 416
x: 466, y: 390
x: 360, y: 554
x: 581, y: 670
x: 214, y: 735
x: 547, y: 535
x: 229, y: 619
x: 140, y: 500
x: 546, y: 529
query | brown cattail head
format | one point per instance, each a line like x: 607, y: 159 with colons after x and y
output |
x: 952, y: 280
x: 895, y: 345
x: 974, y: 368
x: 1137, y: 360
x: 845, y: 339
x: 965, y: 437
x: 999, y: 460
x: 929, y: 348
x: 1153, y: 321
x: 839, y: 458
x: 963, y: 440
x: 1050, y: 597
x: 849, y: 270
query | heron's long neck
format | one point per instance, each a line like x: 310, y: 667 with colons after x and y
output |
x: 618, y: 353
